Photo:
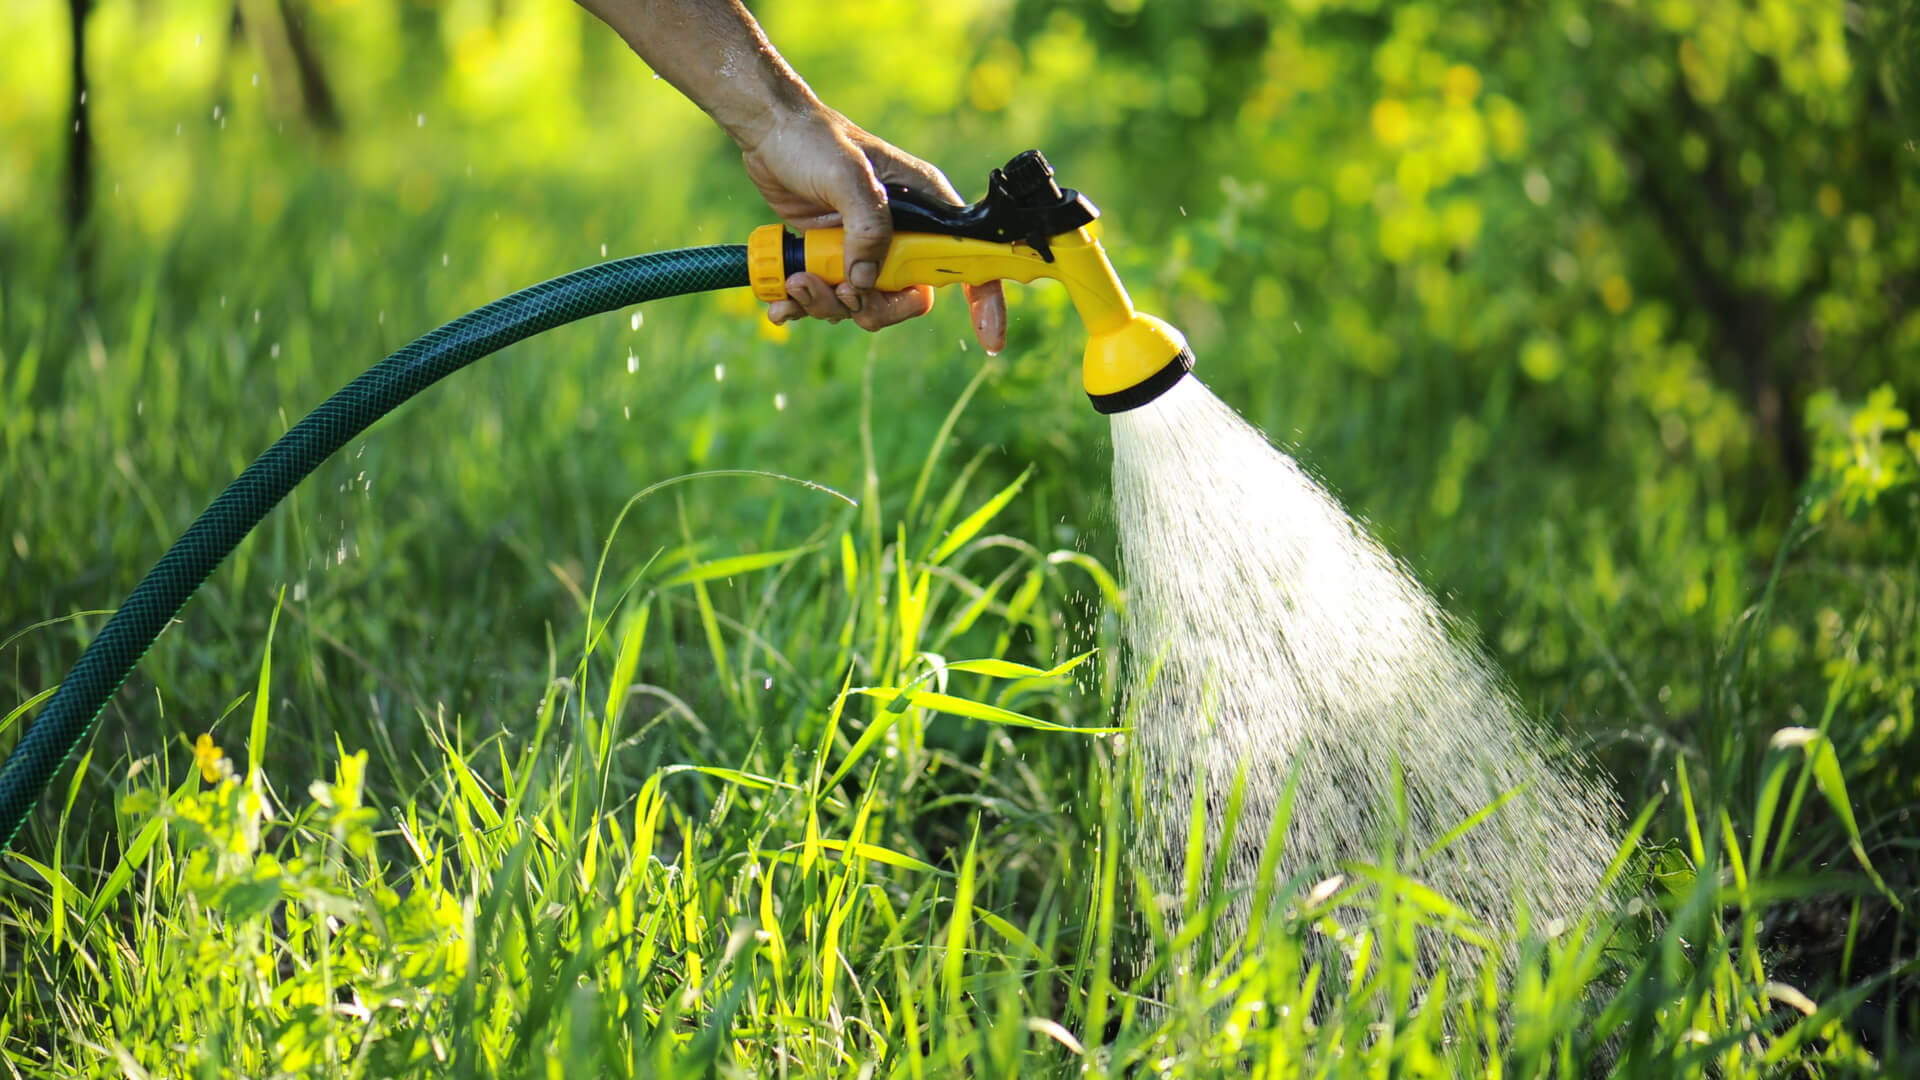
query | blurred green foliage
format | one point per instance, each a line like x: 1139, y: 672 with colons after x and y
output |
x: 1604, y: 317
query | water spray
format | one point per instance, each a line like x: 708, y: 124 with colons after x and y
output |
x: 1027, y: 228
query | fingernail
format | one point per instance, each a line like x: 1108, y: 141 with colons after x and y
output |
x: 802, y: 293
x: 851, y: 298
x: 864, y: 274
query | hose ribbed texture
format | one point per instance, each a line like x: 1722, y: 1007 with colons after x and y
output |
x: 111, y: 656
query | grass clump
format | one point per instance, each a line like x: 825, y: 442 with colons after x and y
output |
x: 855, y: 856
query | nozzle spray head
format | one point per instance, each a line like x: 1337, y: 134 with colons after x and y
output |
x: 1129, y: 368
x: 1027, y: 227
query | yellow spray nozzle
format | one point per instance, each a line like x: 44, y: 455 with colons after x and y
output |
x: 1131, y: 358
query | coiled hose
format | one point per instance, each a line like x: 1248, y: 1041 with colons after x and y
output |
x: 111, y: 656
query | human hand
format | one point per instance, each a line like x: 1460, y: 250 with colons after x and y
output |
x: 817, y: 169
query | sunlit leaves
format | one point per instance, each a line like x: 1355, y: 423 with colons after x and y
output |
x: 1863, y: 451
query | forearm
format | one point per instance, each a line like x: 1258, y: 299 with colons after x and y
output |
x: 713, y: 52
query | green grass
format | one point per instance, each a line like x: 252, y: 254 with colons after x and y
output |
x: 855, y: 850
x: 550, y: 731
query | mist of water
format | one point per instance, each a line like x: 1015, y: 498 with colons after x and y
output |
x: 1265, y: 629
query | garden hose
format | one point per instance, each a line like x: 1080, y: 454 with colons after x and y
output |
x: 1026, y: 228
x: 111, y: 656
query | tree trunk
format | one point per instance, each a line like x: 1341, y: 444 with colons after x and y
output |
x: 79, y: 194
x: 316, y: 94
x: 299, y: 79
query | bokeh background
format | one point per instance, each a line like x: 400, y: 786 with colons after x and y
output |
x: 1598, y: 314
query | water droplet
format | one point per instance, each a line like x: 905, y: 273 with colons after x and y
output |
x: 274, y: 352
x: 420, y: 120
x: 256, y: 316
x: 383, y: 318
x: 627, y: 410
x: 719, y: 372
x: 768, y: 684
x: 223, y: 300
x: 140, y: 407
x: 780, y: 402
x: 633, y: 362
x: 1183, y: 211
x: 256, y: 78
x: 196, y: 41
x: 83, y: 97
x: 603, y: 249
x: 443, y: 258
x: 216, y: 112
x: 637, y: 320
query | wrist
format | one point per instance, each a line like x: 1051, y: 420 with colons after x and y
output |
x: 778, y: 98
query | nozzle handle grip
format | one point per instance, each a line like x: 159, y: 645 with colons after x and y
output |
x: 916, y: 258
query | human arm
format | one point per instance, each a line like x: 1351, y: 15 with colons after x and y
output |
x: 815, y: 168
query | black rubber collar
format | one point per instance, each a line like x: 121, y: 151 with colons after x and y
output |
x: 1146, y: 389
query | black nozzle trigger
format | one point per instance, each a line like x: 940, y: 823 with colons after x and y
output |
x: 914, y: 212
x: 1018, y: 208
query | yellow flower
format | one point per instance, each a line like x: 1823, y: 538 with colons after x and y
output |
x: 212, y: 762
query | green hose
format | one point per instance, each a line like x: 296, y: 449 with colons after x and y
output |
x: 111, y: 656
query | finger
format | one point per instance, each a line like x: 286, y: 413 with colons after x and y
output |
x: 784, y: 311
x: 816, y: 297
x: 988, y: 304
x: 895, y: 166
x: 862, y: 203
x: 884, y: 309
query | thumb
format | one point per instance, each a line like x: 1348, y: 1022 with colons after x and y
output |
x: 862, y: 203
